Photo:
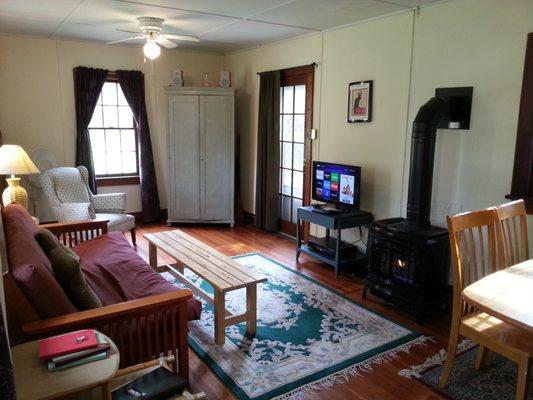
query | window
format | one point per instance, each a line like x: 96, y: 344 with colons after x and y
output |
x: 113, y: 135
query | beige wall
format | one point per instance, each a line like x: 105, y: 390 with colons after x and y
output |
x: 37, y: 94
x: 476, y: 43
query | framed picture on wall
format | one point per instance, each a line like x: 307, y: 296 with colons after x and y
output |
x: 360, y: 101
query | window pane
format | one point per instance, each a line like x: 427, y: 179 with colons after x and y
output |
x: 99, y: 102
x: 281, y: 100
x: 286, y: 208
x: 112, y: 140
x: 109, y: 94
x: 129, y: 166
x: 299, y: 156
x: 114, y: 161
x: 295, y: 204
x: 110, y: 117
x: 288, y: 92
x: 96, y: 119
x: 128, y: 140
x: 287, y: 128
x: 298, y: 184
x: 125, y: 117
x: 286, y: 181
x: 287, y: 155
x: 299, y: 128
x: 299, y: 99
x: 121, y: 99
x: 99, y: 161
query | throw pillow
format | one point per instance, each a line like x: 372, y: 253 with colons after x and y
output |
x: 42, y: 291
x: 48, y: 241
x: 67, y: 271
x: 74, y: 212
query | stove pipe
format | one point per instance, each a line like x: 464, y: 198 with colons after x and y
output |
x: 422, y: 158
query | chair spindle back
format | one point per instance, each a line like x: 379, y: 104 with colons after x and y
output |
x: 513, y: 227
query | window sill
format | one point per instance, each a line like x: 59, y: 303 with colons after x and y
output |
x: 117, y: 181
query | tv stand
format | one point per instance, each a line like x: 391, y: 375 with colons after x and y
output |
x: 333, y: 251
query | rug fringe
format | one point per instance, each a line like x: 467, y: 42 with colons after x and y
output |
x: 356, y: 369
x: 416, y: 371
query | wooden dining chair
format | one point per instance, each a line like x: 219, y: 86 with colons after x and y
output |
x: 513, y: 228
x: 476, y: 249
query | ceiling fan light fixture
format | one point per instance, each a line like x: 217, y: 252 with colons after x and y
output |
x: 151, y: 50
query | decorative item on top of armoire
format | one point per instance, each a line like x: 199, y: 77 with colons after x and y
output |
x: 267, y: 175
x: 177, y: 78
x: 201, y: 149
x: 207, y: 83
x: 132, y: 84
x: 360, y: 101
x: 225, y: 79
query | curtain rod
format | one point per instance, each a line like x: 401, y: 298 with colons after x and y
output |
x: 314, y: 64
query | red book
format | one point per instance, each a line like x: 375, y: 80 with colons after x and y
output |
x: 67, y: 343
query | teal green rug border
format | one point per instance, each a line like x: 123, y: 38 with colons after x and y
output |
x: 317, y: 376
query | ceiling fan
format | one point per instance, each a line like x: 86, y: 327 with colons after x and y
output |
x: 151, y: 29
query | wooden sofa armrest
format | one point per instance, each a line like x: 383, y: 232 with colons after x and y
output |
x: 104, y: 315
x: 142, y: 329
x: 73, y: 233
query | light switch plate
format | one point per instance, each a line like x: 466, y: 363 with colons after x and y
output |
x: 314, y: 134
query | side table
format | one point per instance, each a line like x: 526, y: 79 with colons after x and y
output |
x: 34, y: 382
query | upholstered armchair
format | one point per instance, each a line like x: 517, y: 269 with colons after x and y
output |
x: 70, y: 198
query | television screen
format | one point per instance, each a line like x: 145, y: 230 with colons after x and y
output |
x: 336, y: 183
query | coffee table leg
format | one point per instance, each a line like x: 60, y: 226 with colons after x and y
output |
x: 251, y: 309
x: 220, y: 317
x: 152, y: 256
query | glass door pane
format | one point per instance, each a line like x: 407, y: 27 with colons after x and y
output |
x: 292, y: 138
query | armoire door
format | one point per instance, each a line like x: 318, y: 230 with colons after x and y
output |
x: 216, y: 141
x: 184, y: 158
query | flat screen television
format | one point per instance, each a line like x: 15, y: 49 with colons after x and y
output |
x: 337, y: 184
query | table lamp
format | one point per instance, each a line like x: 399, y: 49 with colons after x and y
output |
x: 15, y: 161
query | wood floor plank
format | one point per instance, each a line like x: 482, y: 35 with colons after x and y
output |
x: 383, y: 383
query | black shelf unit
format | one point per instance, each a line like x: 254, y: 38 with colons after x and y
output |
x: 336, y: 221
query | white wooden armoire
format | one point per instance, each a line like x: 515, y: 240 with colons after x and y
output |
x: 201, y: 160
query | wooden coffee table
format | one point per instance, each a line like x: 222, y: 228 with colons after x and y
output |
x: 220, y: 271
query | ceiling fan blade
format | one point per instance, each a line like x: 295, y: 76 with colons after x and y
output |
x: 125, y: 40
x: 182, y: 37
x: 165, y: 42
x: 126, y: 31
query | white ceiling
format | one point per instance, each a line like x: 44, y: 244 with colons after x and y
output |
x: 221, y: 25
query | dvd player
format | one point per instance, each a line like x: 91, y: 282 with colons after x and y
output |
x: 327, y: 246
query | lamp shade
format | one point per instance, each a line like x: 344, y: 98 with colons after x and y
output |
x: 15, y: 161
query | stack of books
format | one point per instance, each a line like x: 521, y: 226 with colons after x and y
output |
x: 72, y: 349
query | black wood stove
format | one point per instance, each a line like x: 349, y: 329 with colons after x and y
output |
x: 408, y: 257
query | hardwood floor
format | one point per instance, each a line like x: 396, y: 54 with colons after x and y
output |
x: 383, y: 383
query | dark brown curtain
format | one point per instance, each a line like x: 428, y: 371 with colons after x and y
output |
x: 267, y: 178
x: 7, y: 386
x: 88, y: 84
x: 132, y: 84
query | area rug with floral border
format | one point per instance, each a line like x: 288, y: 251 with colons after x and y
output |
x: 309, y: 337
x: 495, y: 381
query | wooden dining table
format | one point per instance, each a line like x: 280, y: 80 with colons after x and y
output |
x: 506, y: 295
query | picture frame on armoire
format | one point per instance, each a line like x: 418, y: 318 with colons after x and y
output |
x: 360, y: 101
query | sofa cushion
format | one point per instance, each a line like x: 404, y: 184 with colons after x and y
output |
x: 67, y: 271
x: 22, y: 249
x: 42, y: 291
x: 30, y: 266
x: 117, y: 273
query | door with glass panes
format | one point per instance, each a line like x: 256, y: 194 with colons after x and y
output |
x: 296, y: 117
